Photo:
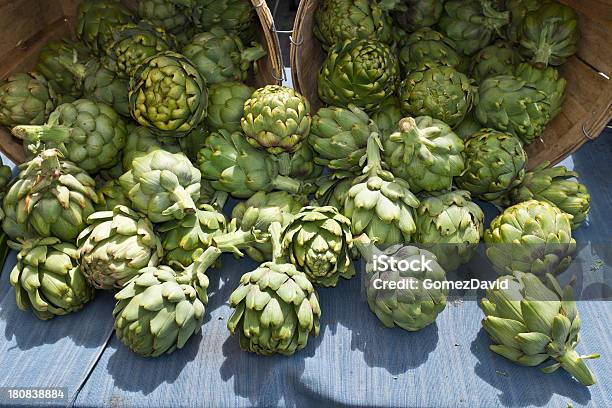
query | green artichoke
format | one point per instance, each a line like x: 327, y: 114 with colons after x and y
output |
x: 340, y: 20
x: 494, y: 164
x: 332, y: 189
x: 236, y: 16
x: 496, y: 59
x: 47, y: 278
x: 194, y: 141
x: 378, y: 204
x: 319, y: 242
x: 531, y: 321
x: 220, y: 56
x: 110, y: 195
x: 468, y: 127
x: 95, y: 21
x: 226, y: 105
x: 162, y: 185
x: 546, y: 80
x: 450, y: 226
x: 426, y: 49
x: 549, y: 35
x: 55, y: 63
x: 170, y: 15
x: 302, y: 164
x: 86, y: 132
x: 168, y: 95
x: 426, y: 153
x: 104, y: 86
x: 359, y: 72
x: 518, y: 10
x: 25, y: 99
x: 419, y: 14
x: 555, y: 186
x: 387, y: 116
x: 161, y: 308
x: 51, y: 197
x: 442, y: 93
x: 532, y: 236
x: 141, y: 141
x: 232, y: 165
x: 472, y: 24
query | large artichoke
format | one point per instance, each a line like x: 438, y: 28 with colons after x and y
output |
x: 555, y: 186
x: 276, y: 118
x: 532, y: 236
x: 226, y: 105
x: 235, y: 16
x: 25, y: 99
x: 359, y: 72
x: 47, y: 278
x: 162, y: 185
x: 472, y: 24
x: 546, y: 80
x: 55, y: 62
x: 141, y: 141
x: 387, y: 116
x: 449, y: 225
x: 168, y: 95
x: 51, y: 197
x: 95, y: 21
x: 426, y: 49
x: 426, y: 153
x: 115, y: 246
x: 86, y: 132
x: 496, y: 59
x: 531, y: 321
x: 419, y: 14
x: 494, y: 163
x: 161, y: 308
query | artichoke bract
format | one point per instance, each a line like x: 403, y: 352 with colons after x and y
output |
x: 496, y: 59
x: 319, y: 242
x: 532, y: 321
x: 88, y: 133
x: 340, y: 20
x: 171, y: 15
x: 105, y: 86
x: 532, y: 236
x: 55, y: 62
x: 419, y: 14
x: 235, y: 16
x: 426, y: 49
x: 110, y: 195
x: 494, y: 163
x: 472, y: 24
x: 226, y: 105
x: 25, y: 99
x: 450, y: 226
x: 161, y: 308
x: 162, y: 185
x: 302, y: 164
x: 96, y: 19
x: 359, y: 72
x: 51, y: 197
x: 549, y: 35
x: 141, y: 141
x: 115, y: 246
x: 442, y: 93
x: 379, y: 204
x: 47, y: 278
x: 387, y: 116
x: 276, y: 118
x: 546, y: 80
x: 168, y: 95
x: 426, y: 153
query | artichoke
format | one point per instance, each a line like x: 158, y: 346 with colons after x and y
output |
x: 531, y: 321
x: 47, y: 278
x: 161, y: 308
x: 359, y: 72
x: 340, y: 20
x: 95, y: 21
x: 450, y: 226
x: 518, y: 10
x: 236, y: 16
x: 378, y: 204
x: 472, y: 24
x: 532, y: 236
x: 555, y: 186
x: 426, y: 153
x: 387, y: 116
x: 105, y: 86
x: 51, y: 197
x: 226, y: 105
x: 419, y: 14
x: 496, y: 59
x: 194, y: 141
x: 426, y: 49
x: 55, y: 63
x: 546, y: 80
x: 141, y: 141
x: 442, y: 93
x: 549, y: 35
x: 319, y: 242
x: 302, y: 164
x: 332, y: 189
x: 168, y: 95
x: 162, y: 185
x: 276, y: 118
x: 86, y: 132
x: 494, y: 163
x: 171, y: 15
x: 220, y: 56
x: 25, y: 99
x: 110, y: 195
x: 468, y: 126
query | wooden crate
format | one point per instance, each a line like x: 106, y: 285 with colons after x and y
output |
x: 27, y: 25
x: 588, y: 104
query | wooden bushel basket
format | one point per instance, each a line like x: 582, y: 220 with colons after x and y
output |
x: 27, y: 25
x: 588, y: 103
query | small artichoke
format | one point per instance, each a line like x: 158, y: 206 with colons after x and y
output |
x: 387, y: 117
x: 419, y: 14
x: 25, y: 99
x: 276, y: 118
x: 332, y: 189
x: 226, y: 105
x: 47, y: 278
x: 171, y: 15
x: 141, y: 141
x: 518, y: 10
x: 359, y: 72
x: 531, y: 321
x: 95, y: 21
x: 532, y: 236
x: 168, y: 95
x: 494, y: 164
x: 496, y: 59
x: 426, y: 49
x: 302, y: 164
x: 110, y: 195
x: 235, y: 16
x: 55, y: 63
x: 105, y: 86
x: 426, y: 153
x: 162, y: 185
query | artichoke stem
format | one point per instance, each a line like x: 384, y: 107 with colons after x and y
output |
x: 275, y: 230
x: 42, y: 133
x: 543, y: 52
x: 74, y: 67
x: 284, y: 164
x: 204, y: 262
x: 183, y: 200
x: 233, y: 241
x: 374, y: 159
x: 574, y: 364
x: 284, y: 183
